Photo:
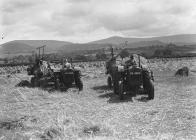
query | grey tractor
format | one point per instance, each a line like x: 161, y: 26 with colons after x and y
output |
x: 130, y: 78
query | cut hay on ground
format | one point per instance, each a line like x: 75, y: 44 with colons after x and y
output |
x: 97, y: 114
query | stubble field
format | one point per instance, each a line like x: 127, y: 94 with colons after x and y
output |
x: 96, y: 113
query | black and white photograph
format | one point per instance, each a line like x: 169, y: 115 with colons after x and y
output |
x: 98, y: 70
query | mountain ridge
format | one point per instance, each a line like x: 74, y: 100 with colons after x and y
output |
x: 180, y: 38
x: 54, y: 46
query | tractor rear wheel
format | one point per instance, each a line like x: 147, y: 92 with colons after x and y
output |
x: 79, y: 84
x: 121, y: 91
x: 148, y: 84
x: 116, y: 87
x: 149, y: 88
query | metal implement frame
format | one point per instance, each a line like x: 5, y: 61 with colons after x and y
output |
x: 39, y: 50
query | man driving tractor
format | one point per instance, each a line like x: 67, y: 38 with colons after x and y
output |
x: 66, y: 64
x: 131, y: 61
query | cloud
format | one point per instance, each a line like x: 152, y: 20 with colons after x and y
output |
x: 87, y: 20
x: 11, y: 6
x: 140, y: 15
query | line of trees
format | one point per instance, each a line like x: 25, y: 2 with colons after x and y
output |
x: 163, y: 53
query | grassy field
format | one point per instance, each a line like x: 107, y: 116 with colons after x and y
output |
x: 96, y: 113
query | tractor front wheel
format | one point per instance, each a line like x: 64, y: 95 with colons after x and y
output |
x: 149, y: 88
x: 34, y: 82
x: 57, y: 84
x: 109, y: 81
x: 79, y: 84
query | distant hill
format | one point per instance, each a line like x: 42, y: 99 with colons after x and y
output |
x: 145, y: 44
x: 16, y: 48
x: 52, y: 45
x: 178, y: 39
x: 176, y: 50
x: 116, y: 40
x: 185, y: 39
x: 24, y: 47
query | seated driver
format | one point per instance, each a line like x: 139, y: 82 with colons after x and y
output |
x: 131, y: 61
x: 67, y: 65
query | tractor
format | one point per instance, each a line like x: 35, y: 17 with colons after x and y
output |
x: 48, y: 75
x: 130, y: 79
x: 68, y: 77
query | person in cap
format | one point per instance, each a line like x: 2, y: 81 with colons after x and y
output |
x: 131, y: 61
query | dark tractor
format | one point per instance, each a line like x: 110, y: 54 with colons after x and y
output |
x: 126, y: 78
x: 45, y: 75
x: 48, y: 75
x: 66, y: 78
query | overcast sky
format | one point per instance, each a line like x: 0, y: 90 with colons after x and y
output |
x: 88, y: 20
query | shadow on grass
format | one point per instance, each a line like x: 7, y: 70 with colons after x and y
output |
x: 23, y: 83
x: 114, y: 98
x: 49, y: 88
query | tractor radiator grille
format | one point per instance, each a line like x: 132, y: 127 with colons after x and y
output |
x: 135, y: 77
